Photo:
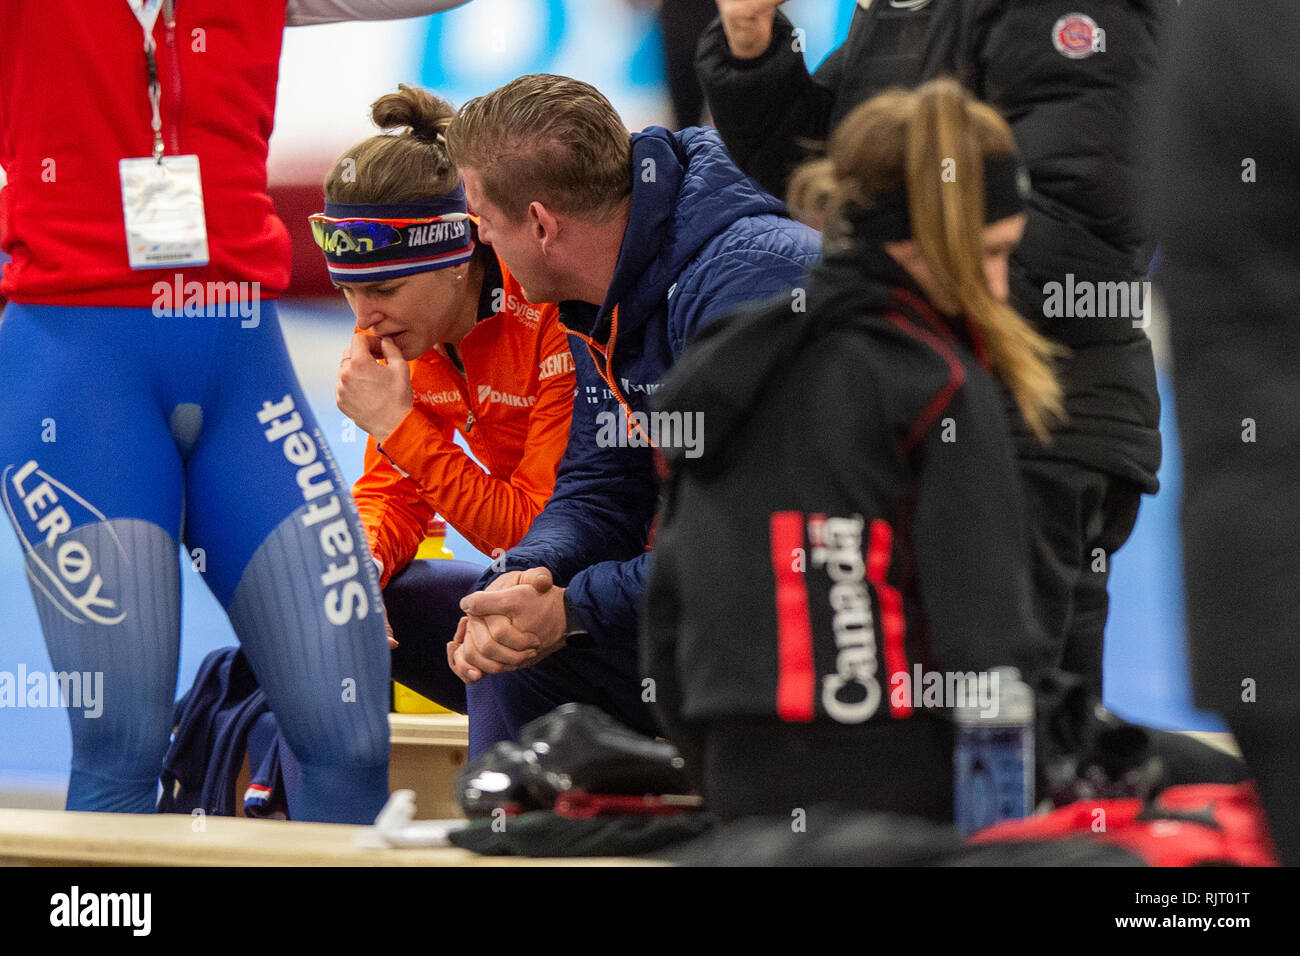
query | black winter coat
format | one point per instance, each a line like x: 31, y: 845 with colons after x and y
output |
x: 854, y: 511
x: 1069, y: 78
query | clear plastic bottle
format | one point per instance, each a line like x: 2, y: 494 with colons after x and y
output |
x: 993, y: 761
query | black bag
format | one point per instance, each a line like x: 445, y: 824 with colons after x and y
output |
x: 575, y: 747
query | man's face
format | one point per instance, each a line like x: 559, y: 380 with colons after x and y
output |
x: 518, y: 244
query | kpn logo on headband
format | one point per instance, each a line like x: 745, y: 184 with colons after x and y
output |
x: 357, y: 236
x: 343, y: 237
x: 371, y: 243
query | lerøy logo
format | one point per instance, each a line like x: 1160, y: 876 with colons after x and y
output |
x: 72, y: 584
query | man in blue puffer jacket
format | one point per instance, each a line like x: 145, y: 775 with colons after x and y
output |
x: 643, y: 239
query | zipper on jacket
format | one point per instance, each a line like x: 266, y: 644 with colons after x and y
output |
x: 461, y: 378
x: 173, y: 76
x: 603, y: 357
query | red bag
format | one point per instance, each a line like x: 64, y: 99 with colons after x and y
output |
x: 1192, y: 825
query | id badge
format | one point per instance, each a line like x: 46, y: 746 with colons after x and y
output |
x: 163, y: 208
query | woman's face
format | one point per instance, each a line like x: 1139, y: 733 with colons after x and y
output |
x: 997, y: 241
x: 415, y: 312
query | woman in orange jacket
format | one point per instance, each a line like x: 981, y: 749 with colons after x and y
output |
x: 445, y: 342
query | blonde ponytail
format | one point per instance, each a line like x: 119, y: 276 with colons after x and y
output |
x: 952, y: 133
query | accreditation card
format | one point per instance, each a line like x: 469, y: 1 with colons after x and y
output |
x: 162, y: 204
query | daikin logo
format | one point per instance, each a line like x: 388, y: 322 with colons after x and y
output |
x: 488, y: 394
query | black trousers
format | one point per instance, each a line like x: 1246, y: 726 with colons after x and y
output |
x: 1078, y: 518
x: 423, y: 605
x: 1237, y: 384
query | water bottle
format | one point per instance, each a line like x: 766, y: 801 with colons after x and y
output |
x: 434, y: 545
x: 993, y: 762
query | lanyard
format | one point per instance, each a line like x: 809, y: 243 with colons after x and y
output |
x: 146, y: 11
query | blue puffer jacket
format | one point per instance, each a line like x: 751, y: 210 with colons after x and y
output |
x: 701, y: 240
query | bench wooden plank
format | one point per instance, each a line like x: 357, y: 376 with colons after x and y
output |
x: 430, y: 730
x: 54, y: 837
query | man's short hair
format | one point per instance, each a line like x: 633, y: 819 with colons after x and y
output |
x: 545, y: 138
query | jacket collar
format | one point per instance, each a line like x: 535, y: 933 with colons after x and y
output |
x: 685, y: 191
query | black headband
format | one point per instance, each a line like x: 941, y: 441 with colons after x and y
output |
x: 1006, y: 191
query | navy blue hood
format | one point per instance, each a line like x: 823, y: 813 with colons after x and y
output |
x: 685, y: 190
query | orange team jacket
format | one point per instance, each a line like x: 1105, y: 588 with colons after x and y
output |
x: 513, y: 404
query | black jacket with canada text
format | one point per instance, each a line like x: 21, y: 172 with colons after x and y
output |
x: 853, y: 511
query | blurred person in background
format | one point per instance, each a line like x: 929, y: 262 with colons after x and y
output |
x: 445, y: 343
x: 1067, y: 77
x: 681, y: 23
x: 1228, y: 192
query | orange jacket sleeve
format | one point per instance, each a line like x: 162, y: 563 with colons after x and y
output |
x: 491, y: 512
x: 393, y: 512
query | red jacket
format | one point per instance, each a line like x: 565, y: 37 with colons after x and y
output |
x: 513, y: 405
x: 73, y: 89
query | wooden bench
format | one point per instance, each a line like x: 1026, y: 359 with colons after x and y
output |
x: 62, y: 838
x: 428, y: 751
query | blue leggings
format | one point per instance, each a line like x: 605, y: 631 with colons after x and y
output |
x: 123, y: 433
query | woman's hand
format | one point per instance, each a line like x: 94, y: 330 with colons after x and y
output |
x: 748, y: 25
x: 373, y: 394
